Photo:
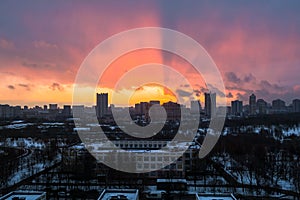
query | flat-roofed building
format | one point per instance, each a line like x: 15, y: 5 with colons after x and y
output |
x: 296, y: 105
x: 124, y: 194
x: 159, y: 157
x: 102, y: 105
x: 237, y: 108
x: 215, y: 197
x: 24, y: 195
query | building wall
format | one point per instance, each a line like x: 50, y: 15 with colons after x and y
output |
x: 102, y: 104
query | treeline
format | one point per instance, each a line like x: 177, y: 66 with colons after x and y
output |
x: 289, y: 119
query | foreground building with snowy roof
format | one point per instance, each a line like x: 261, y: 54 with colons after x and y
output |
x: 124, y: 194
x: 24, y: 195
x: 215, y: 197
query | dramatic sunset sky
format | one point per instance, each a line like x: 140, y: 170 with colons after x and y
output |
x: 255, y: 44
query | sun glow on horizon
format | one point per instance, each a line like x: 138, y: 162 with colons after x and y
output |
x: 149, y: 92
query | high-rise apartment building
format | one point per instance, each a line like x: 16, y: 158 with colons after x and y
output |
x: 195, y: 107
x: 210, y: 104
x: 53, y: 106
x: 102, y: 104
x: 296, y: 105
x: 237, y: 108
x: 252, y: 104
x: 261, y: 106
x: 278, y: 106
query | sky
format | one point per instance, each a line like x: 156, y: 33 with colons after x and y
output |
x: 255, y: 44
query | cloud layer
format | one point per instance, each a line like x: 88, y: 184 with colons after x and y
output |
x: 255, y: 44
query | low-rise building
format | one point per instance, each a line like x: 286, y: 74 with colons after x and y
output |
x: 24, y: 195
x: 215, y: 197
x: 115, y: 194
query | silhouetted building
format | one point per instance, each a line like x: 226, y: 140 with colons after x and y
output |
x: 237, y: 108
x: 124, y: 194
x: 53, y: 107
x: 278, y: 106
x: 144, y: 108
x: 154, y: 102
x: 30, y: 195
x: 137, y: 108
x: 210, y: 104
x: 195, y: 107
x: 252, y: 104
x: 102, y: 104
x: 171, y: 184
x: 228, y: 110
x: 296, y: 105
x: 66, y: 111
x: 78, y: 109
x: 261, y: 106
x: 5, y: 111
x: 173, y: 110
x: 220, y: 196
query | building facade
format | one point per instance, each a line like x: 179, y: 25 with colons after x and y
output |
x: 102, y: 105
x: 261, y: 106
x: 237, y: 108
x: 296, y: 105
x: 278, y: 106
x: 252, y: 104
x: 210, y: 104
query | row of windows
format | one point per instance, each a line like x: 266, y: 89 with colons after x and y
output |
x: 145, y: 159
x: 139, y: 145
x: 158, y: 158
x: 145, y: 166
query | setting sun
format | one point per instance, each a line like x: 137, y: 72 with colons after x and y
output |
x: 151, y: 92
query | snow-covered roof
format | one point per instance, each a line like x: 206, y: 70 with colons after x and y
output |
x: 108, y: 194
x: 28, y: 195
x: 215, y: 197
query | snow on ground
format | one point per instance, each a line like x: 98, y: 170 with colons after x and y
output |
x: 284, y: 184
x: 25, y: 143
x: 31, y: 170
x: 18, y: 126
x: 291, y: 131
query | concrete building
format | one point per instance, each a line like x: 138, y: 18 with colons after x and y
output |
x: 296, y: 105
x: 53, y: 107
x: 24, y: 195
x: 154, y: 102
x: 45, y: 107
x: 102, y: 105
x: 144, y: 108
x: 261, y: 106
x: 143, y: 155
x: 66, y: 111
x: 173, y: 110
x: 278, y: 106
x: 7, y: 111
x: 252, y: 104
x: 237, y: 108
x: 195, y: 107
x: 122, y: 194
x: 215, y: 197
x: 137, y: 108
x: 210, y: 104
x: 78, y: 109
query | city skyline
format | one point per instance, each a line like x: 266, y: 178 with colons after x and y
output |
x: 256, y: 51
x: 169, y: 100
x: 207, y: 106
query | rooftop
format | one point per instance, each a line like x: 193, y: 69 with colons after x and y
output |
x: 114, y: 194
x: 24, y: 195
x: 215, y: 197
